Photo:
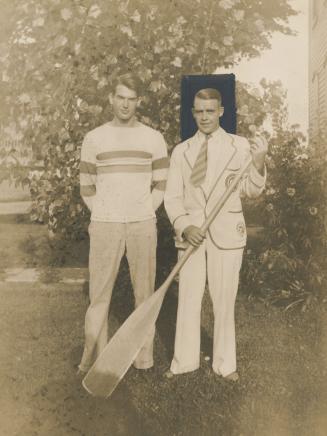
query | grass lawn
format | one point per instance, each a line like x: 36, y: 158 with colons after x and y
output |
x: 282, y: 365
x: 282, y: 360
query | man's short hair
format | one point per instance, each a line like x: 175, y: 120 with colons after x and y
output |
x: 209, y: 94
x: 129, y: 80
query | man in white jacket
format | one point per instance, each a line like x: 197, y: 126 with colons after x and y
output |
x: 200, y: 170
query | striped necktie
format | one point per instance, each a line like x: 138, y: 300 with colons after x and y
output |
x: 199, y: 170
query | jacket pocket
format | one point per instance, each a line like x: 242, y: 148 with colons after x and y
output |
x: 234, y: 168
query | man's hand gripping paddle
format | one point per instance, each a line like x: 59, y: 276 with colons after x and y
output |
x: 116, y: 358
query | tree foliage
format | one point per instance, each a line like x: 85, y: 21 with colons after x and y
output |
x: 62, y: 56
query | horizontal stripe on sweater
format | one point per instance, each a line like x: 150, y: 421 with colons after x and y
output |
x: 88, y: 190
x: 123, y: 153
x: 93, y: 169
x: 87, y: 167
x: 160, y: 163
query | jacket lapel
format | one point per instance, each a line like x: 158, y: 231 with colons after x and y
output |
x: 192, y: 150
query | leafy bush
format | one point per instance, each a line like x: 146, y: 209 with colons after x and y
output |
x: 289, y: 262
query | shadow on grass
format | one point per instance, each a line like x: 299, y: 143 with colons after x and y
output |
x: 69, y: 409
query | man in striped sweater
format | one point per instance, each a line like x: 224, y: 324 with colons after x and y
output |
x: 123, y: 174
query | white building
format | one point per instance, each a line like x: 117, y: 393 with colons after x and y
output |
x: 317, y: 68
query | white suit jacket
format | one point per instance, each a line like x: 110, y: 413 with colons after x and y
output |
x: 188, y: 205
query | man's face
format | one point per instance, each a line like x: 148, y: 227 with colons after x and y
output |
x: 206, y: 114
x: 124, y: 102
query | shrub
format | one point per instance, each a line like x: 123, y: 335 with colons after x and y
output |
x: 289, y: 263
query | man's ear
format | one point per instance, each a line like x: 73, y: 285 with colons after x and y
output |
x: 138, y: 101
x: 221, y: 111
x: 111, y: 98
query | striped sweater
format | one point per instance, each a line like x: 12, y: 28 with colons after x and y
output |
x: 123, y: 172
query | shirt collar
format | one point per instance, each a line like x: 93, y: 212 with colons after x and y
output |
x: 215, y: 135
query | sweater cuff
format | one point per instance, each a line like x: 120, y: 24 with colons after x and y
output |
x: 180, y: 224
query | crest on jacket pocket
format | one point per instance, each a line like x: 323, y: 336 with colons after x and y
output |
x: 229, y: 179
x: 240, y: 228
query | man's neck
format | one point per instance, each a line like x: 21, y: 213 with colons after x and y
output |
x: 116, y: 122
x: 211, y: 133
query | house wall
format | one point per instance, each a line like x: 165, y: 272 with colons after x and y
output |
x: 317, y: 68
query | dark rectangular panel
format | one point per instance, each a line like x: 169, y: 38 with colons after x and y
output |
x: 225, y: 83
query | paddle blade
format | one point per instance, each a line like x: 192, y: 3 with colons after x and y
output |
x: 114, y: 361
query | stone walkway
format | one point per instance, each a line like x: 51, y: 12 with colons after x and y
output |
x: 44, y: 275
x: 14, y: 199
x: 15, y: 207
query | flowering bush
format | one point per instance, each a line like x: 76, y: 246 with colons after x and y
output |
x: 289, y: 263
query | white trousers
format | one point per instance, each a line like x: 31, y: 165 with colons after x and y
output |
x: 222, y: 269
x: 108, y: 243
